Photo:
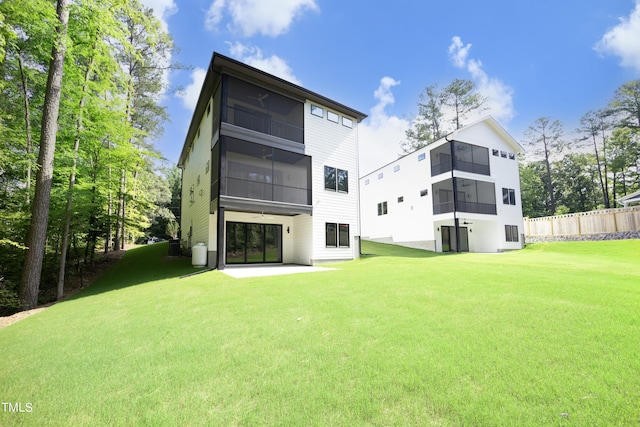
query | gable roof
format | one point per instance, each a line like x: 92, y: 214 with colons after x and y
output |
x: 221, y: 64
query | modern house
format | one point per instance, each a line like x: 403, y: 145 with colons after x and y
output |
x: 461, y: 193
x: 269, y: 171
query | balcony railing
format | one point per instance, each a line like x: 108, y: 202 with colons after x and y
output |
x: 263, y: 123
x: 267, y: 191
x: 469, y: 207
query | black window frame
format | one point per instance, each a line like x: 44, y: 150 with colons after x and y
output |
x: 331, y: 234
x: 342, y: 241
x: 508, y: 196
x: 511, y: 233
x: 382, y: 208
x: 336, y: 179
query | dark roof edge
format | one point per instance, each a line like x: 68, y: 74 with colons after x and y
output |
x: 221, y: 62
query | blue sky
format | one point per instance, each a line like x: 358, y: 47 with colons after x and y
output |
x: 529, y: 58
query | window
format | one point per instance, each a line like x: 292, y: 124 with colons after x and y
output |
x: 336, y: 235
x: 317, y: 111
x: 343, y: 181
x: 336, y: 179
x: 343, y: 235
x: 382, y: 208
x: 380, y: 175
x: 495, y: 152
x: 331, y: 233
x: 332, y: 117
x: 511, y: 233
x: 421, y: 157
x: 330, y: 178
x: 508, y: 196
x: 192, y: 194
x: 396, y: 168
x: 208, y: 109
x: 400, y: 199
x: 366, y: 181
x: 512, y: 156
x: 503, y: 154
x: 424, y: 192
x: 347, y: 122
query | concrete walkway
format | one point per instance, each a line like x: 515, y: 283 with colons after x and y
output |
x: 244, y: 271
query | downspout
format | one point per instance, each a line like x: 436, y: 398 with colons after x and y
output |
x: 456, y: 222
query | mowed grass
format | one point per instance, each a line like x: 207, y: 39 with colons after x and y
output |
x: 549, y: 335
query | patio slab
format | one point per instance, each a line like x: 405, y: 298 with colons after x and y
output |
x: 242, y: 272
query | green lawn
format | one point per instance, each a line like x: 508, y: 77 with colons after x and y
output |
x: 549, y: 335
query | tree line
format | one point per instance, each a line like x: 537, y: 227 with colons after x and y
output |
x: 560, y: 173
x: 589, y: 169
x: 81, y: 87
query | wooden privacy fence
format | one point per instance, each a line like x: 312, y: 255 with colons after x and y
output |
x: 602, y: 221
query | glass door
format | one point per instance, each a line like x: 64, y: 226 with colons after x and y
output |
x: 250, y: 243
x: 449, y: 239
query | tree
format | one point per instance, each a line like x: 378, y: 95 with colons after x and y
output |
x: 545, y: 137
x: 593, y: 126
x: 457, y: 99
x: 626, y: 103
x: 576, y: 176
x: 462, y: 97
x: 533, y: 189
x: 30, y: 283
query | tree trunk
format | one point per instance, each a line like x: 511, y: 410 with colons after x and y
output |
x: 72, y: 179
x: 605, y: 193
x: 32, y: 271
x: 27, y: 124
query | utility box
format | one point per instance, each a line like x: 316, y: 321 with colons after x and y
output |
x: 199, y: 255
x: 174, y: 247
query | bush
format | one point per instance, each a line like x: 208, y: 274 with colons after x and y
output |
x: 9, y: 302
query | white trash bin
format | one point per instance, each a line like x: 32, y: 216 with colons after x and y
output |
x: 199, y: 255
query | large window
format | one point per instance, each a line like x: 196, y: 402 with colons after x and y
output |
x: 511, y: 233
x: 470, y: 196
x: 336, y: 179
x: 466, y: 157
x: 256, y: 171
x: 337, y: 235
x: 253, y: 107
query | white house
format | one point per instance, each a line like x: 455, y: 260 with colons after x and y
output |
x: 269, y: 171
x: 460, y: 193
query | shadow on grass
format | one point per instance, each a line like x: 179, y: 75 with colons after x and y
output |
x: 140, y: 265
x: 369, y: 249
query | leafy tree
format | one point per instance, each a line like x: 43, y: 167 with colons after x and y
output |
x: 545, y: 139
x: 462, y: 97
x: 30, y: 283
x: 459, y: 98
x: 576, y: 179
x: 626, y: 103
x: 594, y: 126
x: 533, y: 189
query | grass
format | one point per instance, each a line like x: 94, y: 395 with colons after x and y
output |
x: 544, y: 336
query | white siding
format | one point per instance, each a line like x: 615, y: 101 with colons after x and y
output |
x: 412, y: 223
x: 332, y: 144
x: 195, y: 214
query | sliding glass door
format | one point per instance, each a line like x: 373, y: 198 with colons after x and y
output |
x: 449, y: 239
x: 249, y: 243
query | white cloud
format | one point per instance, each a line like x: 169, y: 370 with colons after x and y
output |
x: 499, y: 95
x: 380, y: 134
x: 253, y: 56
x: 459, y: 52
x: 250, y: 17
x: 162, y: 10
x: 623, y: 40
x: 191, y: 92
